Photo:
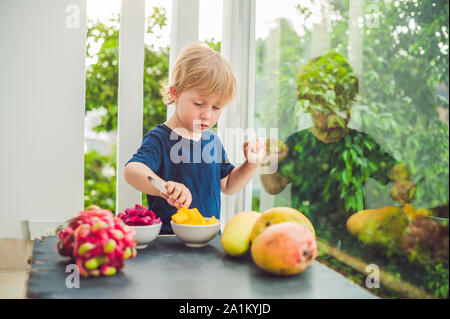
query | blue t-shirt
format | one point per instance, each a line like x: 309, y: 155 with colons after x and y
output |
x: 199, y: 165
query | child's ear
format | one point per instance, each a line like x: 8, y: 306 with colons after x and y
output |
x: 173, y: 93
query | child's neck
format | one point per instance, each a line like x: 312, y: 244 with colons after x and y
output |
x: 176, y: 125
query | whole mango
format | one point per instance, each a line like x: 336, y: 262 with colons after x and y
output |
x: 286, y: 248
x: 383, y: 227
x: 237, y: 231
x: 359, y: 221
x: 278, y: 215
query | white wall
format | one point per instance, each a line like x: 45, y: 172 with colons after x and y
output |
x: 42, y: 94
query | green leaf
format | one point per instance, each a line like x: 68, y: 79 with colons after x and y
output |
x: 350, y: 203
x: 358, y: 149
x: 354, y: 155
x: 348, y: 141
x: 346, y: 156
x: 373, y: 166
x: 304, y: 90
x: 346, y: 177
x: 369, y: 145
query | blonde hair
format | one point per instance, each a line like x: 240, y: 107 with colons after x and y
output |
x: 201, y: 68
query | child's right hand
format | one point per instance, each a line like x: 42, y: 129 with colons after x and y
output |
x: 177, y: 195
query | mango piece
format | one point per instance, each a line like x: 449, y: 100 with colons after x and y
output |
x: 195, y: 217
x: 181, y: 216
x: 212, y: 220
x: 191, y: 217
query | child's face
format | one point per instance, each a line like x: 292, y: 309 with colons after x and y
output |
x: 196, y: 111
x: 329, y: 122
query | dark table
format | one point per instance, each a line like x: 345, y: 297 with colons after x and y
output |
x: 169, y: 269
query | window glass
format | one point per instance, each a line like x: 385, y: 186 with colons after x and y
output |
x: 358, y: 93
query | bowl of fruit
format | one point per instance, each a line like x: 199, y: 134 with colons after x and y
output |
x: 144, y: 223
x: 192, y: 228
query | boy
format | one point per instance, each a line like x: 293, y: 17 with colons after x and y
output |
x: 182, y: 154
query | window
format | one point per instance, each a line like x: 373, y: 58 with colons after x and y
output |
x: 359, y: 94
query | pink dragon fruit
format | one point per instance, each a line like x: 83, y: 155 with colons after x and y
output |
x: 139, y: 216
x: 98, y: 242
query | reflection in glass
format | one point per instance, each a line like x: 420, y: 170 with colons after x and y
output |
x: 358, y: 93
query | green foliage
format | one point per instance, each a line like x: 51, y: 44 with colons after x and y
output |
x: 156, y: 70
x: 157, y: 20
x: 437, y: 279
x: 213, y: 45
x: 327, y: 178
x: 99, y: 188
x: 327, y: 84
x: 256, y: 202
x: 102, y: 76
x: 403, y: 70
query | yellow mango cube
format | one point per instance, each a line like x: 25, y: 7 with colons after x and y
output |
x: 181, y: 216
x: 213, y: 220
x: 192, y: 217
x: 195, y: 218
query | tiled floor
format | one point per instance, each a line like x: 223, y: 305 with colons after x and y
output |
x: 14, y: 267
x: 12, y: 284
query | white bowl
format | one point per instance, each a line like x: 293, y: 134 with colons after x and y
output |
x: 146, y: 234
x: 195, y: 235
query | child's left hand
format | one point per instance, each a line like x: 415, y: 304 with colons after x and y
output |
x: 254, y: 150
